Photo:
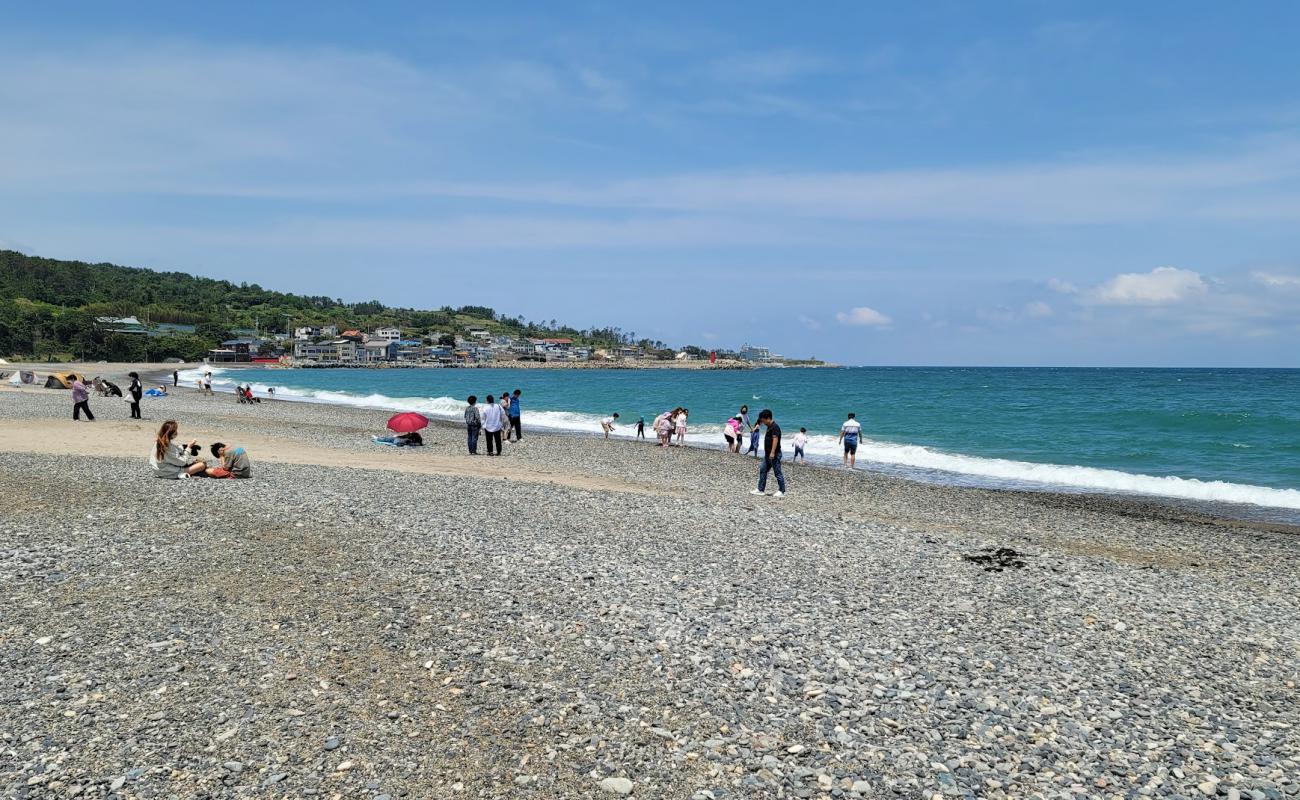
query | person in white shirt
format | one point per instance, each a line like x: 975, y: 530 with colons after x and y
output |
x: 607, y: 424
x: 800, y: 440
x: 494, y: 419
x: 679, y: 423
x: 850, y: 432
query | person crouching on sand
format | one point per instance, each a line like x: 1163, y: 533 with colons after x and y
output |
x: 233, y: 461
x: 664, y: 428
x: 731, y: 432
x: 607, y: 424
x: 171, y: 459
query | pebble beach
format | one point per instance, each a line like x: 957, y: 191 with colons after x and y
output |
x: 591, y: 618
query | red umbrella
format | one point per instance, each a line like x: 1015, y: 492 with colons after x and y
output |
x: 407, y: 422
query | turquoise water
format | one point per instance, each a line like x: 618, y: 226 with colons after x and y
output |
x: 1200, y: 434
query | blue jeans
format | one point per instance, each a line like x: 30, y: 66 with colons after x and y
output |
x: 473, y: 438
x: 798, y: 453
x: 773, y: 464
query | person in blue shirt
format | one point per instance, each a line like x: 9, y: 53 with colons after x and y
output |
x: 514, y: 416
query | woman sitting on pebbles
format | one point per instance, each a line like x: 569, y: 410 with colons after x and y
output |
x: 173, y: 460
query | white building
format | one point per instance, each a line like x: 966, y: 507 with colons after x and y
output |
x: 751, y: 353
x: 388, y: 334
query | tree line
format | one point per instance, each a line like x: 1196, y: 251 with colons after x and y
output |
x: 49, y: 310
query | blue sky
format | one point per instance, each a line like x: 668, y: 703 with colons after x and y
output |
x: 946, y: 183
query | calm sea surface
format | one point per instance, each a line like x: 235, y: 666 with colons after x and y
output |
x: 1225, y: 435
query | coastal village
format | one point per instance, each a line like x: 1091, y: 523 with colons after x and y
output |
x: 330, y: 346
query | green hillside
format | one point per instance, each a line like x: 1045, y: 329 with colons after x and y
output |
x: 49, y: 308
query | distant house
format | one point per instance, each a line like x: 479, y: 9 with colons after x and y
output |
x: 631, y: 353
x: 408, y: 349
x: 377, y: 350
x: 238, y: 350
x: 335, y: 351
x: 328, y: 330
x: 479, y: 333
x: 388, y: 334
x: 352, y: 334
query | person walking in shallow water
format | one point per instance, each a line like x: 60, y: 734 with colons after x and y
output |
x: 850, y: 432
x: 473, y: 424
x: 771, y: 455
x: 80, y: 399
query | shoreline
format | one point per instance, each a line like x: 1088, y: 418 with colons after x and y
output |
x: 1265, y: 517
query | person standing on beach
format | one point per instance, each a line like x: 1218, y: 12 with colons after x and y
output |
x: 473, y: 424
x: 850, y: 432
x: 207, y: 383
x: 753, y: 432
x: 136, y: 390
x: 607, y: 424
x: 505, y: 413
x: 679, y: 424
x: 640, y: 427
x: 771, y: 455
x: 493, y: 422
x: 80, y: 399
x: 514, y: 411
x: 176, y: 379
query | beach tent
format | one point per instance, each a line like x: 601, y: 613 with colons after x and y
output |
x: 61, y: 380
x: 23, y: 377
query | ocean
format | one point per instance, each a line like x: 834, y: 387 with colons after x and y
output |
x: 1205, y: 435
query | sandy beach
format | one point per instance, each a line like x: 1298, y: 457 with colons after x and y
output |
x: 588, y: 618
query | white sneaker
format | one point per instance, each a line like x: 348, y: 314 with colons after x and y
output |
x: 779, y: 493
x: 756, y: 491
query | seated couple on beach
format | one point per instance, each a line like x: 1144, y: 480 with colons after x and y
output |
x: 172, y: 460
x: 412, y: 439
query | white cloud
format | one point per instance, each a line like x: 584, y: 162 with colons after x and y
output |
x: 1061, y: 287
x: 809, y: 323
x: 1161, y: 286
x: 179, y: 117
x: 864, y: 317
x: 1275, y: 280
x: 1037, y: 309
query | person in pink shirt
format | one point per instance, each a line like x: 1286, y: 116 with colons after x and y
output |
x: 80, y: 400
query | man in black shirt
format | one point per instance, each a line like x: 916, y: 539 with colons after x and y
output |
x: 771, y: 455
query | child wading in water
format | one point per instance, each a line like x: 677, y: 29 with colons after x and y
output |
x: 800, y: 439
